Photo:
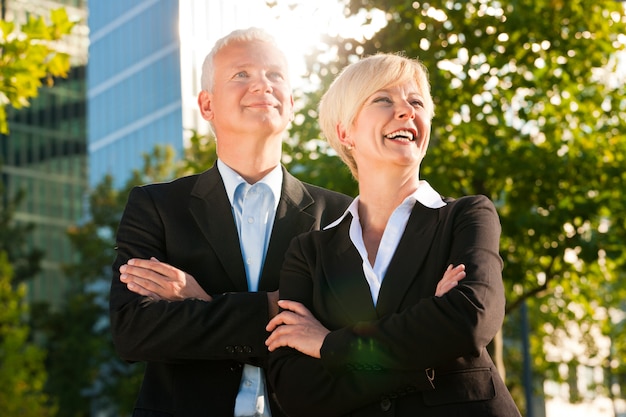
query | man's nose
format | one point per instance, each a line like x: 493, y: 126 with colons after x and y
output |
x: 261, y: 83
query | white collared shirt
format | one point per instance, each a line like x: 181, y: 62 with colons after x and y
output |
x: 252, y: 397
x: 394, y: 229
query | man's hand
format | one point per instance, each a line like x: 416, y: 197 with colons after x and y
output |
x: 160, y: 281
x: 450, y: 279
x: 296, y: 327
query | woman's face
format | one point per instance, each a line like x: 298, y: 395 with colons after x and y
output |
x: 392, y: 129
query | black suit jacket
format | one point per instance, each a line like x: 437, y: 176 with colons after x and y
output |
x: 195, y: 350
x: 412, y: 354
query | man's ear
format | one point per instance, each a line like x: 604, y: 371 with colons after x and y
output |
x: 293, y: 114
x: 205, y: 105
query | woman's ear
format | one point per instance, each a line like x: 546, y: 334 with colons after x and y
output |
x: 342, y: 135
x: 204, y: 103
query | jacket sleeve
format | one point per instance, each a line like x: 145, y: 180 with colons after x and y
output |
x: 303, y: 384
x: 436, y: 330
x: 394, y: 355
x: 231, y: 326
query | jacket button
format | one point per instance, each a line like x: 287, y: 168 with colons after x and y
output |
x: 230, y: 349
x: 385, y: 404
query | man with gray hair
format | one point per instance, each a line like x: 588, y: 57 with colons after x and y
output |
x: 195, y: 280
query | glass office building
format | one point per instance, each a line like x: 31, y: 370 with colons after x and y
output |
x: 133, y: 82
x: 143, y: 77
x: 44, y: 156
x: 139, y: 90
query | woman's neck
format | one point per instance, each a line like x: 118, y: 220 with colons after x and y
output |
x: 379, y: 196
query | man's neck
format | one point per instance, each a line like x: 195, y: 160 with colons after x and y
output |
x: 251, y: 169
x: 253, y: 160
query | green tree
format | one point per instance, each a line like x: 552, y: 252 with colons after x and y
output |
x: 28, y: 56
x: 22, y: 369
x: 200, y: 154
x: 84, y: 370
x: 530, y: 113
x: 24, y: 260
x: 309, y: 157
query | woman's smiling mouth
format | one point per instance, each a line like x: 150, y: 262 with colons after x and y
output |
x: 401, y: 135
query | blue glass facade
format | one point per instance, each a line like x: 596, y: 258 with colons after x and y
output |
x: 44, y: 158
x: 133, y: 79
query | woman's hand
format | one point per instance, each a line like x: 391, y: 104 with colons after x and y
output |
x: 296, y: 327
x: 450, y: 279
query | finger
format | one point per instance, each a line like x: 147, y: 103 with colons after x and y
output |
x: 460, y: 276
x: 450, y: 270
x: 282, y: 336
x: 457, y: 275
x: 276, y: 321
x: 138, y: 289
x: 458, y: 268
x: 294, y: 306
x: 154, y: 265
x: 272, y: 342
x: 140, y: 271
x: 146, y: 279
x: 444, y: 287
x: 454, y: 274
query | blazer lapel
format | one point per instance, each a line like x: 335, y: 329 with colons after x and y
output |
x: 210, y: 207
x: 408, y: 259
x: 291, y: 219
x: 345, y: 278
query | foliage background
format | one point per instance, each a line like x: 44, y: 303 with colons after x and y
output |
x: 529, y: 112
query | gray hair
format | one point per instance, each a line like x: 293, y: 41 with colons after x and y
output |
x: 239, y: 35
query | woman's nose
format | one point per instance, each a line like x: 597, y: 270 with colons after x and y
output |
x: 405, y: 111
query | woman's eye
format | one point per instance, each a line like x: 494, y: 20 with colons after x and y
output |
x: 382, y: 100
x: 241, y: 74
x: 275, y: 76
x: 417, y: 103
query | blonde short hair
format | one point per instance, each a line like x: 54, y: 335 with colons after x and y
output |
x: 240, y: 35
x: 356, y: 83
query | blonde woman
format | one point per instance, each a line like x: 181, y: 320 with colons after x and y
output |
x: 367, y: 327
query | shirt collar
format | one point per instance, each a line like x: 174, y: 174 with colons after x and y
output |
x: 425, y: 195
x: 231, y: 179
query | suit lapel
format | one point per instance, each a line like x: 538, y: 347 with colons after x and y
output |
x: 343, y: 269
x: 408, y: 258
x: 291, y: 219
x: 210, y: 208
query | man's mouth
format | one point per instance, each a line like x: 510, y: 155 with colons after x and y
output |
x: 262, y: 104
x: 401, y: 135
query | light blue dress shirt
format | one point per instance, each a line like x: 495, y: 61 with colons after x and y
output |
x: 394, y: 229
x: 254, y: 208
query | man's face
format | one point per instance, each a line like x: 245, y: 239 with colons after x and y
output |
x: 251, y: 91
